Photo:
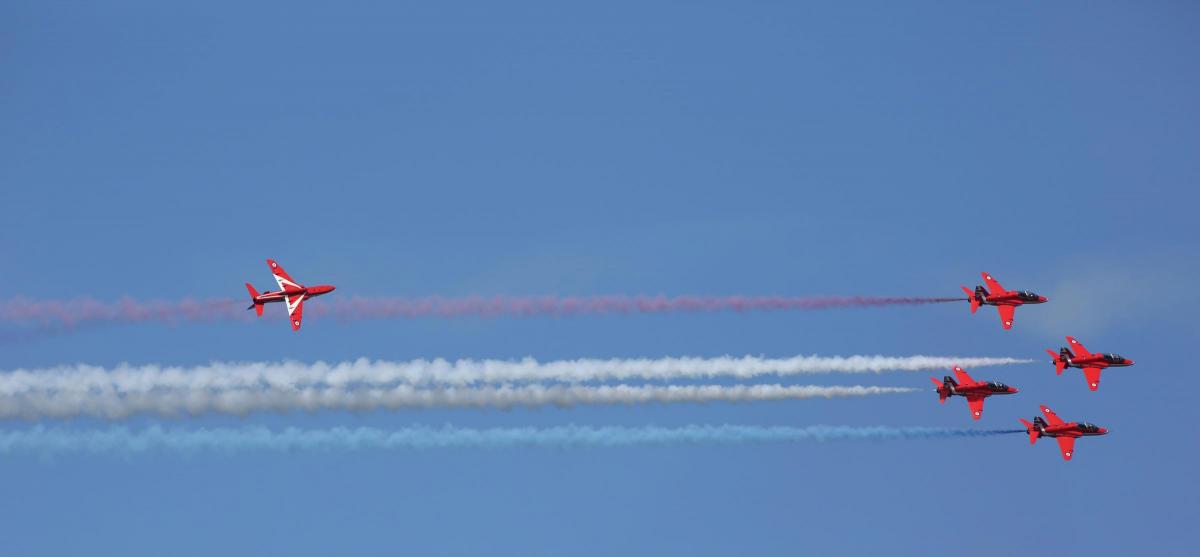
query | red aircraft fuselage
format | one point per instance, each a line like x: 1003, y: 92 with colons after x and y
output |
x: 1091, y: 363
x: 1005, y: 300
x: 1064, y: 432
x: 290, y: 292
x: 974, y: 391
x: 268, y: 296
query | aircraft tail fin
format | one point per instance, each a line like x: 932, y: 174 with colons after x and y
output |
x: 1033, y: 432
x: 971, y: 298
x: 942, y: 393
x: 1060, y: 363
x: 254, y: 303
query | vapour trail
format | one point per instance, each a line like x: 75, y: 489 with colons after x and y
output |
x: 40, y: 440
x: 81, y: 311
x: 175, y: 402
x: 364, y: 372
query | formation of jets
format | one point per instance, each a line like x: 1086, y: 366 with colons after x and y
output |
x: 1048, y: 424
x: 294, y: 294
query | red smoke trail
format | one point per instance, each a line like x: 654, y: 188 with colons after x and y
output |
x: 563, y: 306
x: 72, y: 313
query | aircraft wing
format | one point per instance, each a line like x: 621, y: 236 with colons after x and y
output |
x: 1067, y: 446
x: 1093, y: 377
x: 1078, y: 348
x: 1007, y: 314
x: 993, y: 285
x: 285, y: 281
x: 295, y: 307
x: 962, y: 376
x: 976, y: 404
x: 1051, y: 417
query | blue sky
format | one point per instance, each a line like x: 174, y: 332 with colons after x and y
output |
x: 660, y: 148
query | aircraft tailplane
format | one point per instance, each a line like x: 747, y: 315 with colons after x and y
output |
x: 254, y: 303
x: 1060, y: 363
x: 942, y: 393
x: 1033, y: 431
x: 971, y: 298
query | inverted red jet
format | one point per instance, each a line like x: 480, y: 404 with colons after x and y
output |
x: 1064, y: 432
x: 1091, y: 363
x: 974, y: 391
x: 1005, y: 300
x: 291, y: 293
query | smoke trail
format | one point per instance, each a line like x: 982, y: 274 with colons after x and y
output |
x: 50, y: 441
x: 83, y: 311
x: 73, y: 313
x: 174, y: 402
x: 363, y: 372
x: 360, y: 307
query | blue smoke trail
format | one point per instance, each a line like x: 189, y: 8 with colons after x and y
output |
x: 40, y: 440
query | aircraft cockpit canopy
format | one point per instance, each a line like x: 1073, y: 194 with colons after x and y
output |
x: 1027, y: 295
x: 1114, y: 358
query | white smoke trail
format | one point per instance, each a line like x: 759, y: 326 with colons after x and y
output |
x: 50, y: 441
x: 115, y: 405
x: 363, y: 372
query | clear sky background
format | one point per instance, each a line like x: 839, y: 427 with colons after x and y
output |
x: 858, y: 148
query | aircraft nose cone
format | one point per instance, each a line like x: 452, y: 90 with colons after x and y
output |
x: 1013, y: 390
x: 1043, y: 299
x: 1103, y: 431
x: 331, y: 288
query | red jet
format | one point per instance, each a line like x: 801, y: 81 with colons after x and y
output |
x: 974, y: 391
x: 1091, y: 363
x: 1064, y: 432
x: 1005, y: 300
x: 290, y: 292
